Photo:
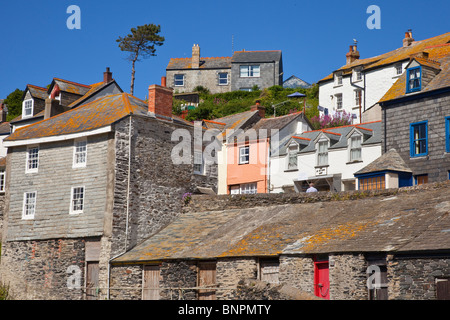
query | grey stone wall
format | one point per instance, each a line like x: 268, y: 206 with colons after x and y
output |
x: 126, y: 283
x: 208, y: 78
x: 269, y: 76
x: 397, y: 119
x: 230, y: 271
x: 348, y: 279
x: 414, y: 277
x: 177, y: 279
x: 297, y: 271
x: 39, y: 268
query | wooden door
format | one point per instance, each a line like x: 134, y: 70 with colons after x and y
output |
x: 92, y: 280
x: 207, y: 277
x: 269, y: 271
x: 321, y: 279
x: 442, y: 289
x: 150, y: 283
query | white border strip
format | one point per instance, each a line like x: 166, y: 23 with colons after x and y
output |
x: 57, y: 138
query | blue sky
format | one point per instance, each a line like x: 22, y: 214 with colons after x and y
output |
x: 314, y: 36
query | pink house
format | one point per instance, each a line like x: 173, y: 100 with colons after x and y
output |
x: 248, y: 152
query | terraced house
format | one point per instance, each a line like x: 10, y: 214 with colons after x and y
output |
x: 87, y: 185
x: 243, y: 71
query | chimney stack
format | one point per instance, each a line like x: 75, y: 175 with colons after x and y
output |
x: 160, y: 101
x: 107, y: 76
x: 353, y: 54
x: 163, y: 82
x: 4, y: 111
x: 195, y: 56
x: 408, y: 38
x: 258, y: 107
x: 52, y: 108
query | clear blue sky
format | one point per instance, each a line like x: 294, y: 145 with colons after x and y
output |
x: 314, y: 36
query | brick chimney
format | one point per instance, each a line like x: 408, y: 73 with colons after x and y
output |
x: 4, y: 111
x: 408, y: 38
x: 160, y: 101
x: 195, y: 56
x: 163, y: 82
x: 353, y: 54
x: 258, y: 107
x: 52, y: 108
x: 107, y: 76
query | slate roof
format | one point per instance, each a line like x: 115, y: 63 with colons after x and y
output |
x: 256, y: 56
x: 69, y: 86
x: 371, y: 135
x: 389, y: 161
x: 205, y: 63
x: 37, y: 92
x: 438, y: 59
x: 390, y: 223
x: 397, y: 55
x: 94, y: 115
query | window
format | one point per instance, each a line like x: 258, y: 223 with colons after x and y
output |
x: 414, y: 79
x: 32, y: 159
x: 339, y: 101
x: 357, y: 74
x: 80, y: 153
x: 419, y: 139
x: 358, y: 97
x: 249, y: 71
x: 223, y: 79
x: 77, y: 200
x: 179, y: 80
x: 244, y: 155
x: 372, y: 183
x: 322, y: 156
x: 2, y: 180
x: 447, y: 134
x: 292, y: 158
x: 338, y: 79
x: 198, y: 162
x: 248, y: 188
x: 29, y: 205
x: 27, y: 108
x: 398, y: 69
x: 355, y: 148
x: 421, y: 179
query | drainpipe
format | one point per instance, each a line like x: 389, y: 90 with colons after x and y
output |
x: 127, y: 210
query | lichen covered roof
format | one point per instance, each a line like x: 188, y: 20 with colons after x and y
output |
x: 205, y: 63
x: 393, y: 222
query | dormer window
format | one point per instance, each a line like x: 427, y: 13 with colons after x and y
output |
x: 355, y: 148
x: 398, y: 70
x: 414, y: 79
x: 357, y: 74
x: 27, y: 108
x: 338, y: 79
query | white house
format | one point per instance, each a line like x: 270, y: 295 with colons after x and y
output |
x: 328, y: 158
x: 357, y: 86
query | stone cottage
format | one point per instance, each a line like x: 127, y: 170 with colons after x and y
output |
x: 389, y: 244
x: 87, y: 185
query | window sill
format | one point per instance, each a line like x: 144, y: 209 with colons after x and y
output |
x: 354, y: 161
x: 337, y: 85
x: 291, y: 170
x: 322, y: 166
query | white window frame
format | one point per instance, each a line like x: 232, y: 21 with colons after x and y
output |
x: 338, y: 79
x: 249, y: 71
x: 356, y: 147
x: 244, y: 155
x: 292, y: 153
x: 322, y: 154
x: 198, y: 162
x: 27, y: 163
x: 72, y: 199
x: 2, y: 180
x: 398, y: 67
x: 29, y: 206
x: 358, y: 94
x: 339, y: 101
x: 175, y: 80
x: 77, y: 151
x: 222, y: 79
x: 357, y: 74
x: 248, y: 188
x: 27, y: 104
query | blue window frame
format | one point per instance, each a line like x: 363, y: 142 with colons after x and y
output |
x: 414, y: 79
x: 419, y: 139
x: 447, y: 134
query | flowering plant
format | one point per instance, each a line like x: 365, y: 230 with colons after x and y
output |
x: 187, y: 197
x: 339, y: 119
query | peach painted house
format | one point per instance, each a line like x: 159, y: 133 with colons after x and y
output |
x: 248, y: 152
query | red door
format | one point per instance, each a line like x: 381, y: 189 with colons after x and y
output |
x: 321, y: 279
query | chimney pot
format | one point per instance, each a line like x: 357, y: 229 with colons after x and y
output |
x: 352, y: 54
x: 408, y: 38
x: 258, y: 107
x: 163, y: 81
x: 107, y: 76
